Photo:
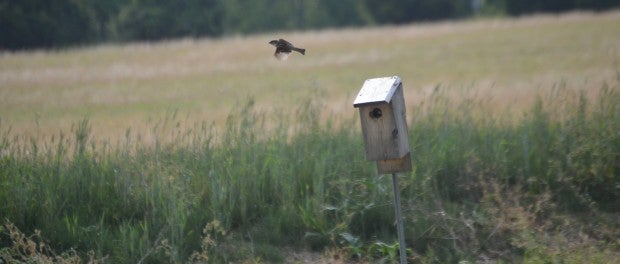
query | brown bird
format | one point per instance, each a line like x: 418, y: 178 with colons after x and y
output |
x: 284, y: 48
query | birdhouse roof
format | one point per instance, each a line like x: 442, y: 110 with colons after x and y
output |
x: 377, y: 90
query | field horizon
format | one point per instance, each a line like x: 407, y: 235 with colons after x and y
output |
x: 508, y: 61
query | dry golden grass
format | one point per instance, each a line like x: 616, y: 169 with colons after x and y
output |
x: 132, y: 86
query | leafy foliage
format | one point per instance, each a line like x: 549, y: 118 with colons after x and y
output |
x: 57, y: 23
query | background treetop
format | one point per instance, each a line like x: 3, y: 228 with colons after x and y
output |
x: 59, y: 23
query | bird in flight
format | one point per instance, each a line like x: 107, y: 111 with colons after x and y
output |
x: 284, y: 48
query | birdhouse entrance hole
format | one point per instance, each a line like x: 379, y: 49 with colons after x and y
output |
x: 376, y: 113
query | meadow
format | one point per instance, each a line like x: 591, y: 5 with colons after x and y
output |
x: 202, y: 150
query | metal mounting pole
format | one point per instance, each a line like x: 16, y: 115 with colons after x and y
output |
x: 399, y: 220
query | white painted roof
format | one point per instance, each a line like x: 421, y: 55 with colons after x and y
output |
x: 377, y: 90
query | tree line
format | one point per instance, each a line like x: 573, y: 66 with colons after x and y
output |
x: 26, y: 24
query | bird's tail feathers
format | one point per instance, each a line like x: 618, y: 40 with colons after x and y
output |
x: 302, y: 51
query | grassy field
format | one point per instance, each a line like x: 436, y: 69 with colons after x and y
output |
x: 118, y: 87
x: 212, y: 151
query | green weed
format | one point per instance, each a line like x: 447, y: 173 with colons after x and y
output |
x: 483, y: 187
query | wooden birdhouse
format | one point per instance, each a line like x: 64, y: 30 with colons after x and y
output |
x: 381, y: 105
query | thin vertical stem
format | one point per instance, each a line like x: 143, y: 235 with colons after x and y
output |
x: 399, y: 220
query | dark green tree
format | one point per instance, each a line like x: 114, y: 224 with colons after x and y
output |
x: 404, y: 11
x: 160, y: 19
x: 103, y: 12
x: 33, y: 23
x: 519, y: 7
x: 59, y: 23
x: 327, y: 13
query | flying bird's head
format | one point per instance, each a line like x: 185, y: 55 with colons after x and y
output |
x: 274, y: 42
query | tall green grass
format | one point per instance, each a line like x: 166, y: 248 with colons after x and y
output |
x: 499, y: 187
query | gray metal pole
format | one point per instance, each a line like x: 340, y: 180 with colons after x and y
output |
x: 399, y: 220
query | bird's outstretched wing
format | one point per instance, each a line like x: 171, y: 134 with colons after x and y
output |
x: 284, y: 43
